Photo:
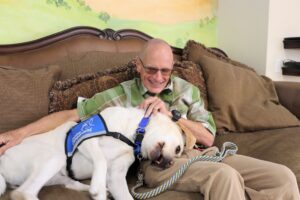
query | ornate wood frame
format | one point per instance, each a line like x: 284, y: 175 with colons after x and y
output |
x: 108, y: 34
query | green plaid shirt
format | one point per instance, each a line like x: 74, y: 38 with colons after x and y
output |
x: 178, y: 94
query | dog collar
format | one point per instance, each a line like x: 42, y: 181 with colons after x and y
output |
x: 140, y: 132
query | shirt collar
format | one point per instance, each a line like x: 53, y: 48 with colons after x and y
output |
x: 144, y: 91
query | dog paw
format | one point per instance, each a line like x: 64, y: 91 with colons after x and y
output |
x: 97, y: 195
x: 17, y: 195
x: 76, y: 185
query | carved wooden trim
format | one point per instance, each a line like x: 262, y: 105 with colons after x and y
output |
x: 111, y: 34
x: 107, y: 34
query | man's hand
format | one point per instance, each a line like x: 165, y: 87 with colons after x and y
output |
x: 152, y: 105
x: 9, y: 139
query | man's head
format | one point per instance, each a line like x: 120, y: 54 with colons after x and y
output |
x: 155, y: 64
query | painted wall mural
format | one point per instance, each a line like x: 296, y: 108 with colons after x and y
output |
x: 176, y: 21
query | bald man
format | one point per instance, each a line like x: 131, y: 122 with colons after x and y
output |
x: 156, y: 90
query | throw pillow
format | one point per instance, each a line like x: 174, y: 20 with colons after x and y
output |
x: 192, y: 73
x: 241, y: 100
x: 64, y: 94
x: 24, y: 95
x: 194, y: 51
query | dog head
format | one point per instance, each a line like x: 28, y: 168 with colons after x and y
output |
x: 163, y: 141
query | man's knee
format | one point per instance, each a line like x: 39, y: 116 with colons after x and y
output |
x: 284, y: 175
x: 226, y: 182
x: 228, y: 175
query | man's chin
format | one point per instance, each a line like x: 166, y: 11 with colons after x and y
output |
x: 155, y: 90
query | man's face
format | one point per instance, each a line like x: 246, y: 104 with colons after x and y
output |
x: 155, y: 71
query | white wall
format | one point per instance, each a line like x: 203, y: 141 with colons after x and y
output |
x: 284, y: 21
x: 252, y: 31
x: 242, y: 31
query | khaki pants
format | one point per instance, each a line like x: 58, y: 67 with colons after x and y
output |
x: 237, y: 177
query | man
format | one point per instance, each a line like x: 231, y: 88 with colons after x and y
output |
x: 157, y: 91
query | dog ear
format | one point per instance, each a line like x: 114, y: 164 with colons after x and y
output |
x: 190, y: 139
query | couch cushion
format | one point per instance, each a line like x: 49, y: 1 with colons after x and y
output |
x: 239, y: 99
x: 24, y: 95
x: 61, y: 193
x: 64, y: 94
x: 276, y: 145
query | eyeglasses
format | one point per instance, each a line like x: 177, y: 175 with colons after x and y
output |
x: 153, y: 70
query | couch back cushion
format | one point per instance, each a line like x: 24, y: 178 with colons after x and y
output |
x: 76, y: 55
x: 91, y: 62
x: 239, y: 99
x: 288, y: 94
x: 68, y: 48
x: 24, y: 95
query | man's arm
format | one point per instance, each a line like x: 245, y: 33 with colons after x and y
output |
x: 203, y: 136
x: 47, y: 123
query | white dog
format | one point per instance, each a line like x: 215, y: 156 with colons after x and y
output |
x: 40, y: 160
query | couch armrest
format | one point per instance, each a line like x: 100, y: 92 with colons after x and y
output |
x: 289, y: 95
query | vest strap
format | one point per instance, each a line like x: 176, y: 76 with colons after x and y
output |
x: 121, y: 137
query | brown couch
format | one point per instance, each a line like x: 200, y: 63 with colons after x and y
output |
x: 29, y: 71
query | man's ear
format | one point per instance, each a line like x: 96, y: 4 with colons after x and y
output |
x: 137, y: 63
x: 135, y: 60
x: 190, y: 139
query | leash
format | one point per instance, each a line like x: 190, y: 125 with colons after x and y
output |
x: 228, y: 148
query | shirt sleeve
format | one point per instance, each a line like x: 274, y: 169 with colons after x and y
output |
x: 111, y: 97
x: 197, y: 112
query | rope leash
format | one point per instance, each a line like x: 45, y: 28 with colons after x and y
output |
x: 228, y: 148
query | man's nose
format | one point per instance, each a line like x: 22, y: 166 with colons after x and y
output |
x: 158, y: 76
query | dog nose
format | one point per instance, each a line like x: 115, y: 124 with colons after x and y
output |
x: 157, y: 157
x: 161, y: 145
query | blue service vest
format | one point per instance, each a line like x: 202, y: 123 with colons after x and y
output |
x: 94, y: 126
x: 91, y: 127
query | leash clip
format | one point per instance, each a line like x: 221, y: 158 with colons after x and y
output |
x: 140, y: 177
x: 139, y: 157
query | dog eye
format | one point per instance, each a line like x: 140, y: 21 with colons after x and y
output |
x: 177, y: 151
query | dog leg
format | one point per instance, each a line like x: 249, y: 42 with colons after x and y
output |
x: 16, y: 195
x: 92, y: 150
x: 41, y: 173
x: 117, y: 183
x: 69, y: 183
x: 76, y: 185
